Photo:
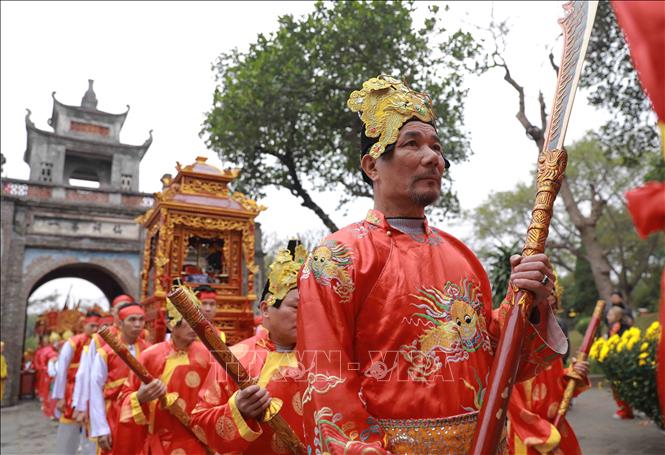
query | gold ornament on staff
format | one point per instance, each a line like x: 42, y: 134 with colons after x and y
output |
x: 184, y: 301
x: 146, y: 378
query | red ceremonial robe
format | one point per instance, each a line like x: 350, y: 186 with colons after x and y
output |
x: 44, y: 385
x: 532, y: 408
x: 217, y: 415
x: 183, y: 373
x: 396, y: 334
x: 39, y: 365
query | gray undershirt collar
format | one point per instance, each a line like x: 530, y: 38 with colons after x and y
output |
x: 413, y: 227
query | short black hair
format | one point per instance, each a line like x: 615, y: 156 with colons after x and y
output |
x: 92, y: 314
x: 617, y: 292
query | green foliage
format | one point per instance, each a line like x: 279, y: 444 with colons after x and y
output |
x: 583, y: 294
x: 279, y: 110
x: 499, y: 271
x: 582, y: 324
x: 597, y: 180
x: 613, y: 84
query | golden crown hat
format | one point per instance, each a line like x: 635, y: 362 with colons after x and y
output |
x: 284, y: 269
x: 384, y: 105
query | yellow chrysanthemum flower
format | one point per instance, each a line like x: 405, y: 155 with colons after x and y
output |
x: 644, y: 346
x: 654, y: 330
x: 644, y: 355
x: 642, y: 362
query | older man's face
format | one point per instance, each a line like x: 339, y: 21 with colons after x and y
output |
x: 413, y: 170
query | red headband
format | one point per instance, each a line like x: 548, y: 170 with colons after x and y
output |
x: 130, y: 310
x: 124, y: 298
x: 207, y: 295
x: 91, y: 320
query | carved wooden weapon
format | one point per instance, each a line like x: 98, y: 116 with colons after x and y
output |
x: 582, y: 355
x: 209, y: 336
x: 146, y: 378
x: 551, y: 165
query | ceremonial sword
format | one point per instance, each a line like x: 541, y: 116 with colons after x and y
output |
x: 552, y: 160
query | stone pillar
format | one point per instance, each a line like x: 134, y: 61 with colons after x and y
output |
x: 13, y: 314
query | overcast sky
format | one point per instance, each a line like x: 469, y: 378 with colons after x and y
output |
x: 157, y: 56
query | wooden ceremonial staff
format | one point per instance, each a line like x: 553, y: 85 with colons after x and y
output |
x: 209, y: 336
x: 145, y: 377
x: 582, y: 355
x: 551, y: 165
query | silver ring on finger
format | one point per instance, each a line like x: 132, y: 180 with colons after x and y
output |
x: 545, y: 280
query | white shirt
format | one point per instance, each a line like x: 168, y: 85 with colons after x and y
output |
x: 52, y: 367
x: 64, y: 359
x: 99, y: 426
x: 79, y: 380
x: 82, y: 381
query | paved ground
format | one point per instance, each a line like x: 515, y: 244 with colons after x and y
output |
x: 600, y: 434
x: 26, y: 431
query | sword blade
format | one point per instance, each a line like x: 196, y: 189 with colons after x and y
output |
x: 577, y: 26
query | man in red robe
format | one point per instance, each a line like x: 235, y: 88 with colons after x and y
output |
x: 107, y: 376
x: 208, y: 298
x: 46, y: 354
x: 179, y: 365
x: 38, y: 364
x: 230, y: 418
x: 396, y: 329
x: 69, y: 359
x: 81, y: 392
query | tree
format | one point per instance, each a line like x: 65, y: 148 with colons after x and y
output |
x: 582, y: 295
x: 612, y: 84
x: 609, y: 55
x: 279, y: 110
x: 592, y: 175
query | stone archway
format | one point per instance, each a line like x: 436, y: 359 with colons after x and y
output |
x: 104, y: 278
x: 113, y: 272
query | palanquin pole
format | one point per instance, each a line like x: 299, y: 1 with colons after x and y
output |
x: 146, y: 378
x: 552, y: 162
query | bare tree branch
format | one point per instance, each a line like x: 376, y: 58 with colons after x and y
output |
x: 543, y: 111
x: 554, y: 65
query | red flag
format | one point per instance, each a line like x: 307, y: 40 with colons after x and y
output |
x: 643, y: 25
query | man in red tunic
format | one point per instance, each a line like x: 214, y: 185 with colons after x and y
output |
x: 179, y: 365
x: 39, y: 365
x: 81, y: 392
x: 229, y: 418
x: 46, y: 354
x: 208, y: 298
x: 67, y: 440
x: 396, y: 329
x: 107, y: 376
